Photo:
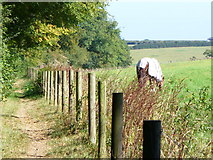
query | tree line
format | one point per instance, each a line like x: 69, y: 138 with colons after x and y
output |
x: 80, y: 34
x: 165, y: 44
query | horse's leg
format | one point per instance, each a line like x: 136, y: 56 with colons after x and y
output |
x: 153, y: 84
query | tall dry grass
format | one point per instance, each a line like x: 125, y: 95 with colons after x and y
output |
x: 181, y: 130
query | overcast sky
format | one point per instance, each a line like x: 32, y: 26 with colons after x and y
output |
x: 162, y: 20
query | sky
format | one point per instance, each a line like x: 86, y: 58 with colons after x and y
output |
x: 161, y: 19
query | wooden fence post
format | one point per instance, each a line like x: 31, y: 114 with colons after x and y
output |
x: 78, y: 95
x: 46, y: 84
x: 102, y: 119
x: 52, y: 87
x: 117, y: 125
x: 151, y: 138
x: 43, y: 81
x: 92, y: 108
x: 60, y: 89
x: 49, y: 87
x: 56, y: 89
x: 71, y: 85
x: 65, y: 86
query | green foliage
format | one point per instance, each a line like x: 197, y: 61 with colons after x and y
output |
x: 6, y: 60
x: 102, y: 38
x: 33, y: 88
x: 80, y: 29
x: 32, y: 32
x: 8, y: 70
x: 42, y: 24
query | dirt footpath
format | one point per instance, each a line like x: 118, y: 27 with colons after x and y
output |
x: 33, y: 127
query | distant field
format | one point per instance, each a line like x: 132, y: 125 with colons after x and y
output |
x: 196, y: 73
x: 168, y: 55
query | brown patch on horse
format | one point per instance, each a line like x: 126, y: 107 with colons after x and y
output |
x: 143, y: 75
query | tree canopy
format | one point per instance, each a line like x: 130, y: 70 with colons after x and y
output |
x: 78, y: 33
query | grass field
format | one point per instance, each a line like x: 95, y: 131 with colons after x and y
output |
x: 197, y: 74
x: 167, y: 55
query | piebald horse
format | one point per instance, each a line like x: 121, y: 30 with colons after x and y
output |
x: 149, y: 69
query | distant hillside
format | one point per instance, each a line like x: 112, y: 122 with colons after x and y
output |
x: 165, y: 44
x: 170, y: 55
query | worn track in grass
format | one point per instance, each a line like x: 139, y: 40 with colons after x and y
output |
x: 35, y: 129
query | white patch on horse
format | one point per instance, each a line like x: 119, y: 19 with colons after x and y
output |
x: 154, y: 69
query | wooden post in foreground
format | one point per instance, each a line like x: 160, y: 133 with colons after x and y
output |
x: 102, y: 153
x: 151, y: 138
x: 78, y: 95
x: 117, y: 125
x: 92, y: 108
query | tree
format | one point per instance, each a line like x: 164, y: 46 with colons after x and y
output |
x: 34, y: 31
x: 45, y: 33
x: 41, y: 26
x: 101, y: 38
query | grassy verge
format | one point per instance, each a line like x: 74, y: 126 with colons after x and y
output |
x: 67, y: 138
x: 14, y: 141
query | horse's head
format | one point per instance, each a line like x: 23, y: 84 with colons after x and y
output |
x: 143, y: 75
x: 160, y: 83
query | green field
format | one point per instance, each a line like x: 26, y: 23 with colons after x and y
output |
x: 168, y: 55
x: 197, y: 74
